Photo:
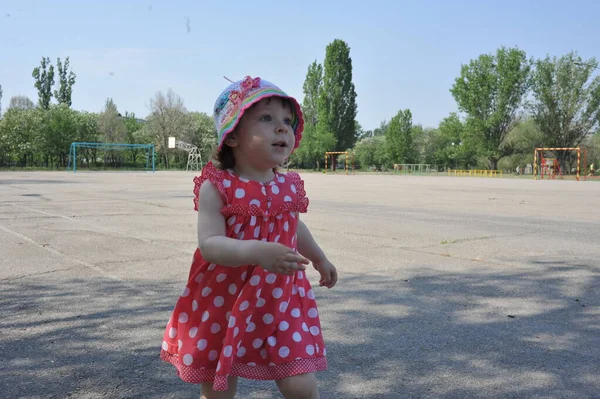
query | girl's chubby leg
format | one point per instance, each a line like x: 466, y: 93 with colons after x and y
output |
x: 303, y: 386
x: 209, y: 393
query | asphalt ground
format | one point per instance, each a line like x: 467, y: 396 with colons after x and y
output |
x: 450, y: 287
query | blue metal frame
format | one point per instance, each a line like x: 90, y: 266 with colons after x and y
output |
x: 109, y: 146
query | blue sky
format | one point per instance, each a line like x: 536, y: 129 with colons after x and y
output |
x: 406, y: 54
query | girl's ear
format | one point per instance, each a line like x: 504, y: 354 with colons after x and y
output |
x: 232, y: 140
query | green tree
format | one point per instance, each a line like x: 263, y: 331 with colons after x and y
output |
x: 310, y: 151
x: 111, y: 125
x: 0, y: 100
x: 66, y: 80
x: 490, y: 91
x: 337, y: 102
x: 202, y: 133
x: 372, y: 152
x: 399, y: 138
x: 566, y: 102
x: 19, y: 136
x: 60, y: 129
x: 44, y: 80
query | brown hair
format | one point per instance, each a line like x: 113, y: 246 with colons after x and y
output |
x: 224, y: 159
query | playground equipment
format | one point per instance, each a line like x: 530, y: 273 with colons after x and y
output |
x: 550, y: 166
x: 414, y: 168
x: 475, y: 173
x: 194, y: 161
x: 331, y: 154
x: 99, y: 154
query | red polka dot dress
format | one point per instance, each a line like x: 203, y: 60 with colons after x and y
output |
x: 245, y: 321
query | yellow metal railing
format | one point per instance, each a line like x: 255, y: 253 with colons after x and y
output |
x: 475, y: 173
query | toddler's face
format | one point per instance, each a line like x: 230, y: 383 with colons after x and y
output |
x: 265, y: 133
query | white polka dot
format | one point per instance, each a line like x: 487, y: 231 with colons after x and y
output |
x: 231, y: 321
x: 272, y: 341
x: 257, y: 343
x: 284, y: 351
x: 293, y: 239
x: 314, y: 330
x: 232, y: 289
x: 194, y: 305
x: 271, y: 278
x: 237, y: 228
x: 243, y: 277
x: 227, y: 315
x: 255, y: 202
x: 293, y: 188
x: 251, y: 327
x: 211, y: 267
x: 263, y: 190
x: 310, y: 350
x: 254, y: 280
x: 324, y: 352
x: 277, y: 238
x: 277, y: 292
x: 226, y: 183
x: 172, y: 332
x: 183, y: 318
x: 283, y: 307
x: 205, y: 315
x: 287, y: 198
x: 248, y: 319
x: 253, y: 221
x: 165, y: 346
x: 240, y: 193
x: 215, y: 328
x: 193, y: 331
x: 251, y: 364
x: 199, y: 277
x: 275, y: 189
x: 240, y: 236
x: 244, y: 305
x: 186, y: 292
x: 281, y: 179
x: 188, y: 359
x: 301, y: 292
x: 317, y: 347
x: 296, y: 312
x: 221, y: 277
x: 293, y: 215
x: 241, y: 351
x: 212, y: 356
x: 179, y: 344
x: 260, y: 303
x: 219, y: 301
x: 300, y: 275
x: 202, y: 344
x: 206, y: 291
x: 279, y: 217
x: 286, y: 226
x: 284, y: 325
x: 258, y: 293
x: 294, y: 289
x: 228, y: 350
x: 231, y: 221
x: 256, y: 231
x: 236, y: 331
x: 312, y: 313
x: 304, y: 327
x: 297, y: 337
x: 263, y: 353
x: 271, y: 227
x: 310, y: 294
x: 268, y: 318
x: 218, y: 365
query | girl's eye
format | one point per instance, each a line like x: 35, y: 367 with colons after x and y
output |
x: 265, y: 118
x: 288, y: 121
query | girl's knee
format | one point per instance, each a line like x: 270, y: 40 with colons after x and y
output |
x: 303, y: 386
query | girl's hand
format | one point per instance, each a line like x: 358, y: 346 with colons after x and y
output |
x: 328, y: 273
x: 278, y: 258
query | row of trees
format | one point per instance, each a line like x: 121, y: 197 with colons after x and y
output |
x: 40, y: 135
x: 510, y: 104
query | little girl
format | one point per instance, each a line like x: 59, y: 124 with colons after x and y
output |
x: 248, y: 309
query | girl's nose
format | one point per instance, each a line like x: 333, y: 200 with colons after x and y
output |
x: 282, y: 128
